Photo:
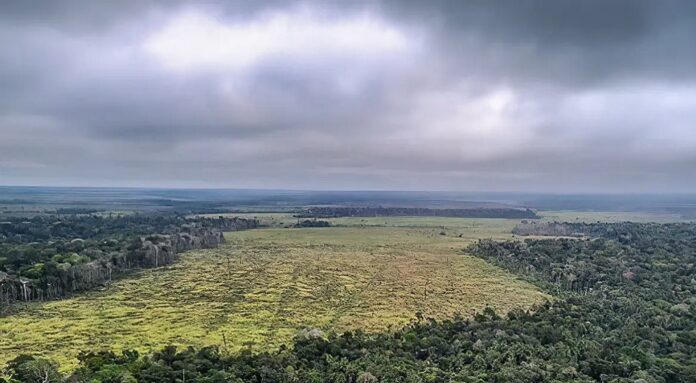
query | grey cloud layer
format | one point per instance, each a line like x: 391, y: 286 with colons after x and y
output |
x: 523, y: 95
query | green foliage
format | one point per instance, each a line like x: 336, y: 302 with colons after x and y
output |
x: 624, y: 312
x: 312, y: 223
x: 27, y: 369
x: 343, y: 211
x: 49, y: 257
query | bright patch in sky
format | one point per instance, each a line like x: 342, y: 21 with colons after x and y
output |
x: 194, y: 41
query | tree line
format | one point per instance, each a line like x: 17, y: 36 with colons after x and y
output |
x: 343, y: 211
x: 50, y: 257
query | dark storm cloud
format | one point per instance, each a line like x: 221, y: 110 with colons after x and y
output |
x: 523, y: 95
x: 570, y: 42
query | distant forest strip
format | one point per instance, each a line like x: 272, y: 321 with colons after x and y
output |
x: 624, y: 312
x: 623, y: 232
x: 335, y: 212
x: 50, y: 257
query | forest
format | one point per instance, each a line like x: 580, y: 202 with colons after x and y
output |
x: 52, y: 256
x: 343, y: 211
x: 623, y: 311
x: 312, y: 223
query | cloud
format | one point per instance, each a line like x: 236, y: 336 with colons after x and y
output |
x: 196, y: 41
x: 526, y: 95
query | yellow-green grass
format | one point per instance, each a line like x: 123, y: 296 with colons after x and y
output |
x: 472, y: 228
x: 263, y: 286
x: 469, y: 227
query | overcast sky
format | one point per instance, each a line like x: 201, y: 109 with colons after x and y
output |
x: 561, y: 96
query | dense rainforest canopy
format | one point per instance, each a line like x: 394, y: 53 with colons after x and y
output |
x: 623, y: 311
x: 51, y: 256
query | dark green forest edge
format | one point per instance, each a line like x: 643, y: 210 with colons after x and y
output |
x: 342, y: 211
x: 54, y: 256
x: 623, y: 312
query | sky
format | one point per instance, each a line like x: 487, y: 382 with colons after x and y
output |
x: 541, y: 96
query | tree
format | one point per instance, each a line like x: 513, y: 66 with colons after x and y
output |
x: 32, y: 370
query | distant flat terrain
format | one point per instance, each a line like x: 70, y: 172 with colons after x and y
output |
x: 611, y: 216
x: 32, y: 200
x: 471, y: 228
x: 264, y: 285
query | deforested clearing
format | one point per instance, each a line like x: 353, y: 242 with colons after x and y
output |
x: 263, y: 286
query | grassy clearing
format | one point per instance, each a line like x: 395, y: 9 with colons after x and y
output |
x: 264, y: 285
x: 470, y: 227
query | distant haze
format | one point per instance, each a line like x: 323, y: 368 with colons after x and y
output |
x: 546, y: 96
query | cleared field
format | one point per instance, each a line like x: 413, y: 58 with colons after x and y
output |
x: 264, y: 285
x: 469, y: 227
x: 472, y: 228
